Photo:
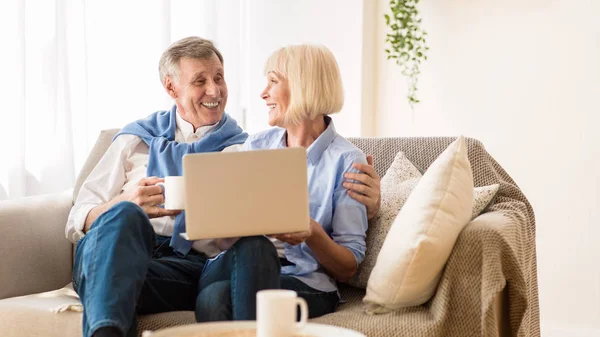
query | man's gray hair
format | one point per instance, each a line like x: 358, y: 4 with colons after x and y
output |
x: 192, y: 47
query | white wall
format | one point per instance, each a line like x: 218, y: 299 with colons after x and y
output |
x: 524, y: 78
x: 335, y: 23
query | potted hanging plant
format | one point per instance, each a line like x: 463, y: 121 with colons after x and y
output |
x: 406, y: 43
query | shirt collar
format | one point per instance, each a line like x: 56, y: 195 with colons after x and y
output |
x: 316, y: 149
x: 280, y: 139
x: 187, y: 129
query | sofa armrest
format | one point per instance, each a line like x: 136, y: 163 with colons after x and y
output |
x: 36, y: 256
x: 487, y: 261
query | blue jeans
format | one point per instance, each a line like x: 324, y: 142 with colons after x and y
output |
x: 122, y: 268
x: 216, y: 302
x: 250, y: 265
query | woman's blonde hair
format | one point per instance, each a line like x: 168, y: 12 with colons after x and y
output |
x: 314, y: 80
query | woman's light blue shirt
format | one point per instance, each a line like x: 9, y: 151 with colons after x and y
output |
x: 343, y: 218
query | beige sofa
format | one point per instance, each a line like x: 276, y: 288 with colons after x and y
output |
x: 489, y: 286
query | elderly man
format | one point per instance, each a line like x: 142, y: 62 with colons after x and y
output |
x: 129, y: 258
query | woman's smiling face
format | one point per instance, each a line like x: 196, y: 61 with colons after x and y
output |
x: 277, y: 97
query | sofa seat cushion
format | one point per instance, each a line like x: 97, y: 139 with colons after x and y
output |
x: 32, y: 315
x: 164, y: 320
x: 413, y: 321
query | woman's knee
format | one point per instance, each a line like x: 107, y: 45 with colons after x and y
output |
x: 258, y: 247
x: 214, y: 303
x: 319, y: 303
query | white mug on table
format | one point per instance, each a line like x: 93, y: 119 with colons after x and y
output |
x: 276, y: 313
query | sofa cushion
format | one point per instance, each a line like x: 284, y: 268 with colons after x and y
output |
x: 413, y: 321
x: 32, y: 316
x: 396, y: 185
x: 483, y: 197
x: 18, y: 314
x: 423, y: 234
x: 102, y: 143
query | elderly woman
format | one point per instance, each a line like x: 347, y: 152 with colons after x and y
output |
x: 303, y: 87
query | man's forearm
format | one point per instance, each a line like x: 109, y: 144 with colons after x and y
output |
x: 95, y: 212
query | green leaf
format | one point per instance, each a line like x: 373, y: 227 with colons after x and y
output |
x: 406, y: 42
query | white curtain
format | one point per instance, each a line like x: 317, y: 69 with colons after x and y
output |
x: 75, y: 67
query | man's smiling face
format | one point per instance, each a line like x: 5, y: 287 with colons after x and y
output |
x: 200, y: 91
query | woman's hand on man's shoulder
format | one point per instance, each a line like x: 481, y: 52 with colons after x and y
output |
x: 366, y: 187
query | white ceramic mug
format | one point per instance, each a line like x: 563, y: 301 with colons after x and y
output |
x: 174, y: 187
x: 276, y: 313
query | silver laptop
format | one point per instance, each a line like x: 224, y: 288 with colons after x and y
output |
x: 247, y: 193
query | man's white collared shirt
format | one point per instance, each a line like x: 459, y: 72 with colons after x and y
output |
x: 119, y: 170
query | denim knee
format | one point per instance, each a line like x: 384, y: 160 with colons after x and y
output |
x: 127, y: 210
x: 256, y: 248
x: 125, y: 215
x: 214, y: 303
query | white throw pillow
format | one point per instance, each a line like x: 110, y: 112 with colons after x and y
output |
x: 423, y: 234
x: 396, y: 185
x: 482, y: 197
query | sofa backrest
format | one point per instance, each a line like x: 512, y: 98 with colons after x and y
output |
x: 421, y: 151
x: 102, y: 144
